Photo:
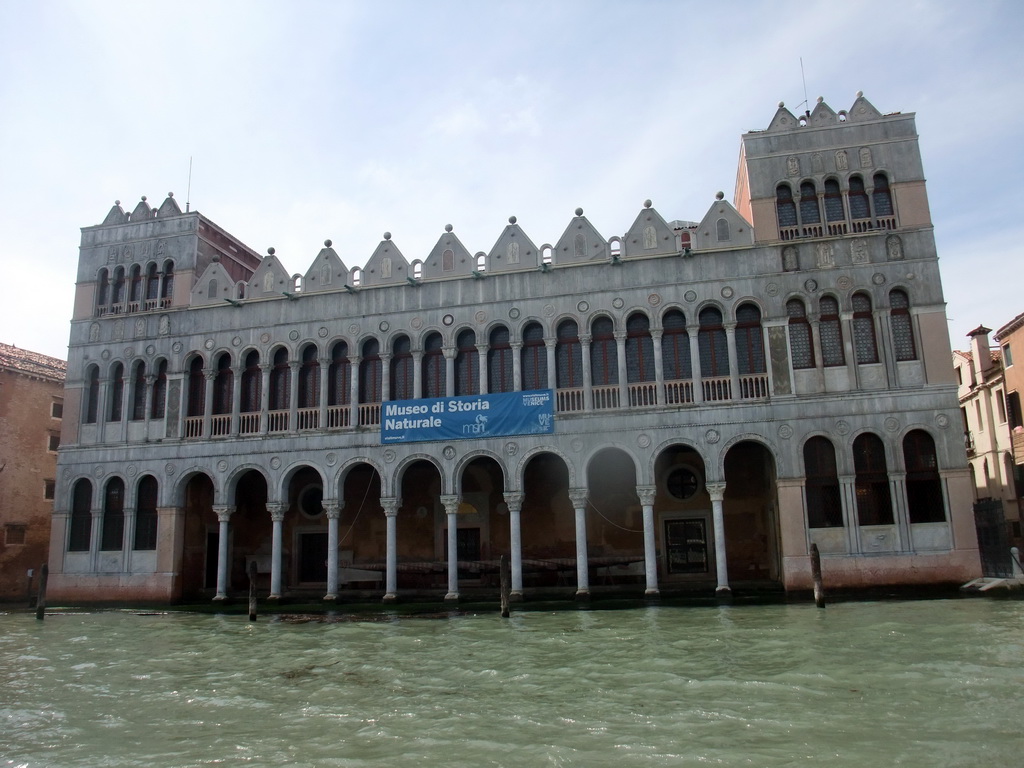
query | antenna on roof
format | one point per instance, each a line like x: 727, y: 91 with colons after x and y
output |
x: 803, y: 78
x: 188, y: 192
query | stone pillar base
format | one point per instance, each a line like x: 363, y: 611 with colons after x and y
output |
x: 582, y: 595
x: 390, y: 597
x: 652, y: 594
x: 330, y: 598
x: 220, y: 598
x: 515, y: 596
x: 451, y: 597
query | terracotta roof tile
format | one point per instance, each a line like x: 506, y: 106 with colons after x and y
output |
x: 32, y: 363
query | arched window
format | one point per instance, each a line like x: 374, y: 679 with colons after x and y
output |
x: 824, y: 503
x: 117, y: 295
x: 809, y: 211
x: 749, y: 340
x: 568, y: 356
x: 135, y: 288
x: 830, y: 332
x: 434, y: 374
x: 833, y: 201
x: 675, y: 347
x: 280, y: 382
x: 785, y: 208
x: 881, y: 195
x: 339, y: 376
x: 102, y: 292
x: 116, y: 392
x: 152, y: 286
x: 534, y: 358
x: 800, y: 345
x: 196, y: 388
x: 864, y: 343
x: 145, y: 514
x: 722, y: 230
x: 902, y: 326
x: 467, y: 364
x: 370, y: 372
x: 639, y: 349
x: 401, y: 369
x: 112, y: 530
x: 499, y: 361
x: 252, y: 384
x: 223, y: 385
x: 160, y: 391
x: 924, y: 486
x: 139, y: 392
x: 714, y: 348
x: 874, y: 504
x: 858, y: 199
x: 309, y: 377
x: 92, y: 394
x: 167, y: 290
x: 604, y: 367
x: 80, y: 533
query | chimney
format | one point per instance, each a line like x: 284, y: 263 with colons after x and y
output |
x: 981, y: 355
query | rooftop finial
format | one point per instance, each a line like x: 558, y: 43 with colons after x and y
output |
x: 647, y: 203
x: 512, y: 219
x: 271, y: 250
x: 720, y: 195
x: 327, y: 243
x: 579, y: 211
x: 387, y: 235
x: 860, y: 94
x: 448, y: 227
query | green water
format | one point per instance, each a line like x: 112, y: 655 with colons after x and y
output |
x: 931, y: 683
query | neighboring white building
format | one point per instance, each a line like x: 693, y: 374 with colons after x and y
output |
x: 724, y: 395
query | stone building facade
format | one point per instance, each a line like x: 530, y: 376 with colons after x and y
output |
x: 725, y: 393
x: 31, y: 405
x: 1010, y: 339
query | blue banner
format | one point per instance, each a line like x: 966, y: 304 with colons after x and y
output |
x: 473, y: 416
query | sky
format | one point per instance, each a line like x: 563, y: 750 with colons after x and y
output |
x: 306, y: 120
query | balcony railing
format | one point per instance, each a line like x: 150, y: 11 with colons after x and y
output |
x: 717, y: 388
x: 220, y: 425
x: 570, y: 400
x: 309, y: 418
x: 193, y: 427
x: 606, y: 397
x: 339, y: 416
x: 754, y: 386
x: 678, y: 392
x: 369, y: 414
x: 277, y: 421
x: 643, y: 394
x: 249, y: 423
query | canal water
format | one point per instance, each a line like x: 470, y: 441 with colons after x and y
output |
x: 929, y: 683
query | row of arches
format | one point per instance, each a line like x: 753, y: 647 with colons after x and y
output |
x: 135, y: 288
x: 837, y: 208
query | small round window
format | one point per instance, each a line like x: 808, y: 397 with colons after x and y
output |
x: 311, y: 500
x: 682, y: 483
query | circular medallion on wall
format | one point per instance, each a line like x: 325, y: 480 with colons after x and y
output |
x: 236, y: 341
x: 150, y: 350
x: 265, y: 338
x: 682, y: 483
x: 511, y: 448
x: 384, y: 326
x: 354, y: 329
x: 583, y: 306
x: 416, y: 323
x: 293, y: 335
x: 690, y: 296
x: 390, y: 456
x: 132, y: 470
x: 892, y: 424
x: 448, y: 319
x: 942, y: 421
x: 785, y: 431
x: 176, y: 347
x: 98, y: 470
x: 811, y: 286
x: 576, y: 444
x: 331, y: 459
x: 549, y: 310
x: 911, y: 276
x: 322, y: 333
x: 772, y: 289
x: 129, y: 353
x: 105, y: 354
x: 275, y: 463
x: 222, y: 466
x: 480, y: 316
x: 618, y: 303
x: 844, y: 283
x: 842, y: 428
x: 727, y: 292
x: 878, y: 278
x: 208, y: 344
x: 449, y: 452
x: 654, y: 300
x: 712, y: 436
x: 67, y: 473
x: 644, y: 441
x: 169, y: 469
x: 514, y: 313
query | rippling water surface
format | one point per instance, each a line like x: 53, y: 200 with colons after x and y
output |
x: 932, y: 683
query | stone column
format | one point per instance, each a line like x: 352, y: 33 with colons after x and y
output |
x: 264, y: 397
x: 276, y: 510
x: 102, y: 408
x: 620, y: 359
x: 148, y: 416
x: 734, y: 375
x: 696, y: 374
x: 588, y: 384
x: 417, y: 374
x: 209, y: 376
x: 385, y: 376
x: 849, y: 350
x: 325, y: 370
x: 354, y: 370
x: 236, y: 400
x: 647, y: 494
x: 95, y: 530
x: 170, y: 532
x: 333, y: 512
x: 814, y: 319
x: 294, y: 366
x: 451, y: 508
x: 578, y: 496
x: 514, y: 502
x: 717, y: 492
x: 848, y: 494
x: 659, y: 366
x: 900, y: 515
x: 449, y: 371
x: 481, y: 356
x: 550, y: 345
x: 223, y: 516
x: 517, y: 365
x: 390, y: 506
x: 128, y: 538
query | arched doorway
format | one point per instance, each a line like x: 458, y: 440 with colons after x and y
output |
x: 304, y: 555
x: 251, y: 533
x: 547, y: 526
x: 750, y: 511
x: 420, y: 528
x: 615, y: 527
x: 683, y: 519
x: 483, y: 533
x: 199, y: 541
x: 362, y: 529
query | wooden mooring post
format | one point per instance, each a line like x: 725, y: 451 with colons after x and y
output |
x: 252, y: 590
x: 819, y: 589
x: 44, y: 573
x: 506, y: 585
